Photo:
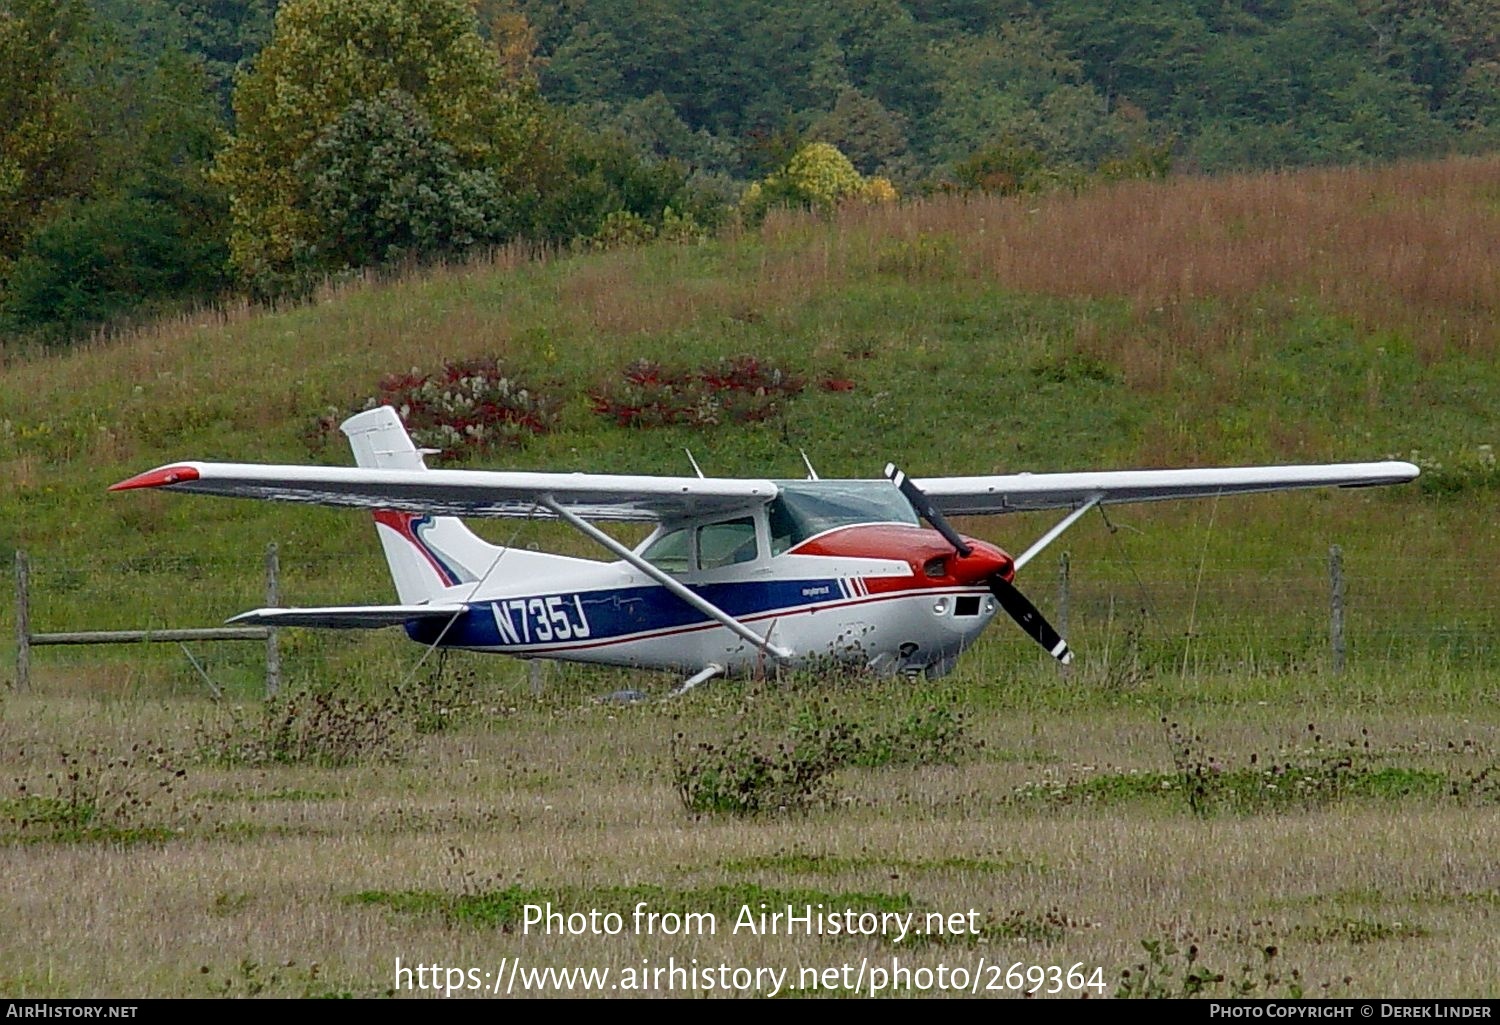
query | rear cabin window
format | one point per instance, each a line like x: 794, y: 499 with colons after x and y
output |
x: 727, y: 543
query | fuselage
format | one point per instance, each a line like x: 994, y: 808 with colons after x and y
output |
x: 893, y: 596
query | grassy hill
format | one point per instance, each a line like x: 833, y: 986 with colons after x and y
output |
x: 1309, y: 316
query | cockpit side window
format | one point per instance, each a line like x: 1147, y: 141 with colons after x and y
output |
x: 783, y: 526
x: 727, y: 543
x: 671, y: 551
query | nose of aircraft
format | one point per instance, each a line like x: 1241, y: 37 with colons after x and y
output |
x: 983, y: 562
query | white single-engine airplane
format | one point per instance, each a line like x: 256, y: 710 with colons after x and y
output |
x: 739, y: 575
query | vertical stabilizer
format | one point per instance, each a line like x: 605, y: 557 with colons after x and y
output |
x: 380, y: 441
x: 427, y: 554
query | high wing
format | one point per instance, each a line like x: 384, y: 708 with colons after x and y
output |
x: 348, y: 617
x: 1023, y: 492
x: 484, y: 493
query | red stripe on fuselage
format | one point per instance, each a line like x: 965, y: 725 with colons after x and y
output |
x: 926, y: 551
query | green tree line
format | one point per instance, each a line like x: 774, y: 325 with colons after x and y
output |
x: 160, y: 151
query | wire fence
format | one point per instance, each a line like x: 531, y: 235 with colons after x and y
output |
x: 1293, y: 609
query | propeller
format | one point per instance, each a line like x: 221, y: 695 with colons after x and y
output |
x: 1011, y: 600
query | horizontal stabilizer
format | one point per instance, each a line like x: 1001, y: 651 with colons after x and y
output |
x: 348, y: 617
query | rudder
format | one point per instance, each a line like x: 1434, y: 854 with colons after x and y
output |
x: 427, y: 555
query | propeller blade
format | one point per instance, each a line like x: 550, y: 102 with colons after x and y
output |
x: 926, y: 509
x: 1030, y: 620
x: 1011, y: 600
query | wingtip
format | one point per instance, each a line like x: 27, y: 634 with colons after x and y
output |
x: 162, y: 476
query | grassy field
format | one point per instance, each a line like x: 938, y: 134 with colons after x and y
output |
x: 1363, y: 852
x: 1203, y: 778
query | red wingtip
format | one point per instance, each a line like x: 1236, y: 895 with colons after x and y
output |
x: 158, y: 478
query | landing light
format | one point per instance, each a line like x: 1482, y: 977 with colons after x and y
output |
x: 940, y: 606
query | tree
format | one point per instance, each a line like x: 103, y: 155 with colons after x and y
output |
x: 383, y: 186
x: 104, y: 257
x: 654, y: 129
x: 1016, y: 92
x: 43, y: 128
x: 863, y: 129
x: 226, y: 34
x: 154, y: 233
x: 514, y: 39
x: 886, y: 52
x: 603, y: 183
x: 1309, y: 90
x: 324, y: 56
x: 1149, y: 52
x: 585, y: 67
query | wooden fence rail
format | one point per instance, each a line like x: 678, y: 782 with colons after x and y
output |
x: 26, y: 639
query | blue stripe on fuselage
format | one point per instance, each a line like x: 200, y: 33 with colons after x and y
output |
x: 617, y: 612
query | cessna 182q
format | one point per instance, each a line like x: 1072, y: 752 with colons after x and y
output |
x: 739, y: 574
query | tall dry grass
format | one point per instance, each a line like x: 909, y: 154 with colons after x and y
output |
x: 1411, y: 246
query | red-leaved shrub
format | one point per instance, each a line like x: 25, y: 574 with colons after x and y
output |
x: 737, y: 389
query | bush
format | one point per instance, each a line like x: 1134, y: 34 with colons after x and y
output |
x: 817, y: 177
x: 109, y: 257
x: 933, y: 736
x: 448, y: 700
x: 749, y: 775
x: 1462, y: 471
x: 739, y: 389
x: 469, y: 406
x: 605, y: 195
x: 1004, y: 170
x: 763, y: 768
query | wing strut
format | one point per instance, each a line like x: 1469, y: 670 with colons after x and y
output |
x: 1053, y: 534
x: 708, y: 672
x: 697, y: 601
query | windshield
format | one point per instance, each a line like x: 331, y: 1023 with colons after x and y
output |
x: 808, y: 507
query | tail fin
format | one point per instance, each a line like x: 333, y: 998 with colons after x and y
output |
x: 427, y: 554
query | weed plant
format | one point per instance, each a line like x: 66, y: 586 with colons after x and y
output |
x: 306, y: 728
x: 770, y: 764
x: 89, y: 795
x: 1314, y: 773
x: 1173, y: 969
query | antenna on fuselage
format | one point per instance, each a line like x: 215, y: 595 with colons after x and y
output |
x: 696, y: 468
x: 811, y: 473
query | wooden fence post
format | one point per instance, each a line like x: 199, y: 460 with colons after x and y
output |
x: 1336, y: 606
x: 23, y: 623
x: 1062, y: 601
x: 1062, y: 594
x: 273, y: 599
